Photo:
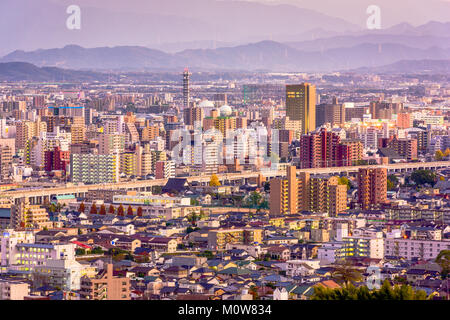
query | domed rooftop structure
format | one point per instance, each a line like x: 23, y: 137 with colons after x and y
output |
x: 206, y: 104
x: 225, y: 111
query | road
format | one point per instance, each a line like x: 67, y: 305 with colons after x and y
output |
x: 225, y: 178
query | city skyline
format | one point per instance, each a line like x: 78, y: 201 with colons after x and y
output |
x: 242, y: 152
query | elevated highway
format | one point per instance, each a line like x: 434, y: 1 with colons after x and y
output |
x: 40, y: 195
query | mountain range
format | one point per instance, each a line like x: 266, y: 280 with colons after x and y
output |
x: 411, y: 67
x: 22, y: 71
x: 261, y: 56
x: 300, y: 40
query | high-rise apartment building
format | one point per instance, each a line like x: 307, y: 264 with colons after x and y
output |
x: 165, y: 169
x: 193, y: 115
x: 5, y: 161
x: 56, y: 159
x: 218, y: 239
x: 25, y: 130
x: 111, y: 143
x: 326, y: 195
x: 325, y: 149
x: 406, y: 148
x: 105, y: 286
x: 372, y: 187
x: 128, y: 164
x: 294, y: 194
x: 149, y: 133
x: 404, y: 120
x: 77, y: 134
x: 301, y: 105
x: 95, y: 168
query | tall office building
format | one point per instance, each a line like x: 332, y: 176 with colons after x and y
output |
x: 301, y: 105
x: 330, y: 113
x: 88, y: 116
x: 186, y: 91
x: 372, y: 187
x: 385, y: 110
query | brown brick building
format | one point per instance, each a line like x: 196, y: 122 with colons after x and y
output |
x: 325, y: 149
x: 372, y: 187
x: 306, y: 193
x: 105, y: 286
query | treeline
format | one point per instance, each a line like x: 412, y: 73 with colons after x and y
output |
x: 386, y: 292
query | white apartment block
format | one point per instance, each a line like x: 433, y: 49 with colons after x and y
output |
x: 95, y: 168
x: 9, y: 239
x: 330, y: 252
x: 29, y: 256
x: 64, y: 274
x: 409, y: 248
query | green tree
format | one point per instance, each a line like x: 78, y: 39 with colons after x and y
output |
x: 254, y: 200
x: 386, y: 292
x: 193, y: 217
x: 131, y: 107
x: 345, y: 273
x: 208, y: 254
x: 345, y: 182
x: 443, y: 259
x: 390, y: 185
x: 97, y: 250
x: 80, y: 252
x: 191, y: 229
x: 156, y: 189
x: 394, y: 181
x: 422, y: 177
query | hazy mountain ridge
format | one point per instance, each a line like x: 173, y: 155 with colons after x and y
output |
x: 21, y: 71
x: 411, y: 67
x: 76, y: 57
x: 265, y: 55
